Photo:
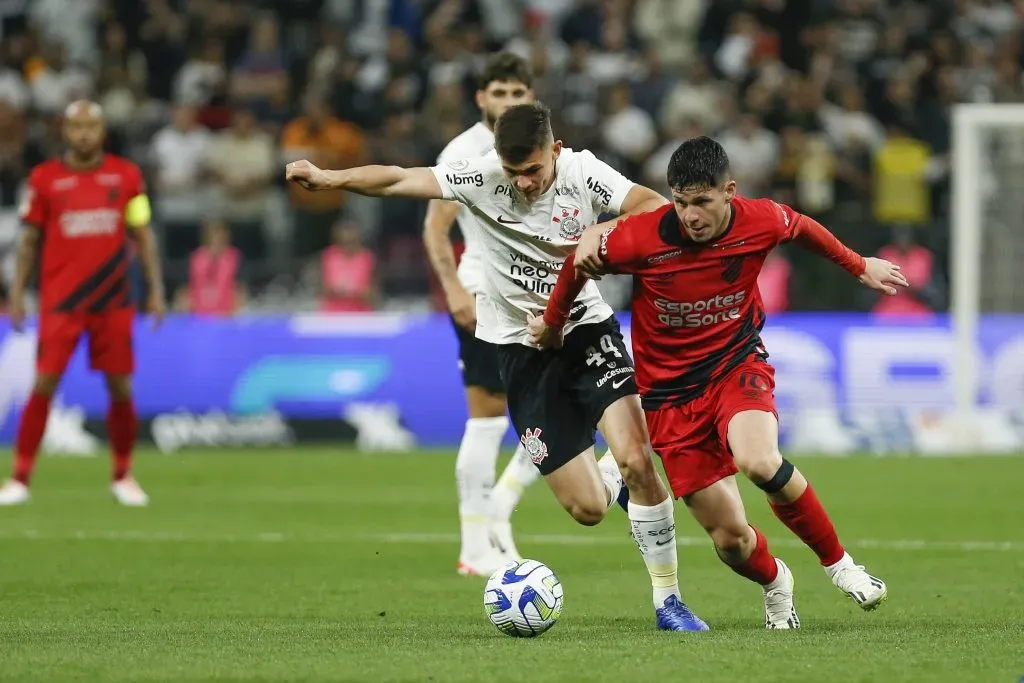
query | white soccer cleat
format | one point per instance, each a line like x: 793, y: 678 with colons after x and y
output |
x: 482, y: 566
x: 779, y: 611
x: 501, y: 539
x: 865, y: 590
x: 14, y: 493
x: 128, y: 493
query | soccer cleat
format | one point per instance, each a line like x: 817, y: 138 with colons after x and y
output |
x: 501, y: 539
x: 483, y: 566
x: 128, y: 493
x: 674, y: 615
x: 865, y: 590
x: 14, y: 493
x: 779, y: 611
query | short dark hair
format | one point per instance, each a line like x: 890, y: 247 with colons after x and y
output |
x: 698, y: 163
x: 505, y: 67
x: 521, y: 131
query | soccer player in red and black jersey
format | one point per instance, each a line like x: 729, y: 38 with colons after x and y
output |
x: 78, y: 213
x: 703, y: 373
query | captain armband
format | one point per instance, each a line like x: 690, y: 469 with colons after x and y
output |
x: 138, y: 213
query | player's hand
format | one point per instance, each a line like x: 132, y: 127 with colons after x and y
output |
x: 462, y: 306
x: 157, y: 308
x: 588, y: 261
x: 883, y: 276
x: 307, y: 175
x: 542, y: 335
x: 17, y: 313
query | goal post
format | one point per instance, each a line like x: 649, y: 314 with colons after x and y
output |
x: 976, y: 132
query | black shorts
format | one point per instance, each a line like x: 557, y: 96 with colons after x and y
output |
x: 478, y: 361
x: 557, y: 397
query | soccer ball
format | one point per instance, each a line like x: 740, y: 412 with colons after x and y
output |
x: 523, y: 599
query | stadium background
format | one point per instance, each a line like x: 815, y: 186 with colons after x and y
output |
x: 839, y: 108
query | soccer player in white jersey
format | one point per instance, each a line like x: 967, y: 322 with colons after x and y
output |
x: 533, y: 199
x: 485, y: 508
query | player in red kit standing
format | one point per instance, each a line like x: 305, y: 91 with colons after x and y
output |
x: 78, y: 212
x: 703, y: 374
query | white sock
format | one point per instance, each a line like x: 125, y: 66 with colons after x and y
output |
x: 654, y: 530
x: 474, y: 476
x: 611, y: 476
x: 519, y: 473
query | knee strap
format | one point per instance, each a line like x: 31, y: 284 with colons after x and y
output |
x: 779, y: 479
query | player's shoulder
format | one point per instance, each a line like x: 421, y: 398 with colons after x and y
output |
x: 758, y: 214
x: 120, y: 163
x: 46, y: 171
x: 475, y: 141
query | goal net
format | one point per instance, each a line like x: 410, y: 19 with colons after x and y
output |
x: 987, y: 257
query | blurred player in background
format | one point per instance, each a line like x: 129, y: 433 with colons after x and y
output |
x: 484, y: 508
x: 533, y: 199
x: 78, y: 212
x: 706, y: 386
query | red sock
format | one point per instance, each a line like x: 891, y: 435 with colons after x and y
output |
x: 760, y: 567
x: 122, y: 426
x: 30, y: 435
x: 806, y: 518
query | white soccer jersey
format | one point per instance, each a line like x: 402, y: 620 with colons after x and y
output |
x: 475, y: 141
x: 525, y: 243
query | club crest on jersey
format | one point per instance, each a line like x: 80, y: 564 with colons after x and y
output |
x: 569, y: 225
x: 458, y: 164
x: 732, y: 266
x: 535, y: 448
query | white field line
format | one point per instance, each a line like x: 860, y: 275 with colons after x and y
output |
x: 117, y: 535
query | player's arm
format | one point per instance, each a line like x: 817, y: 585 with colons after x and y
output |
x: 616, y: 251
x: 875, y: 273
x: 137, y: 215
x: 25, y: 261
x: 372, y: 181
x: 437, y: 241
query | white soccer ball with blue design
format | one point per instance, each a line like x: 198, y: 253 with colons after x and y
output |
x: 523, y: 599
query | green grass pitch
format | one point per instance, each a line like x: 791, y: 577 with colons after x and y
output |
x: 328, y: 565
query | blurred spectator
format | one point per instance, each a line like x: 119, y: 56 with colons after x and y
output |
x: 348, y: 273
x: 242, y: 161
x: 53, y: 82
x: 697, y: 98
x: 179, y: 152
x: 329, y: 143
x: 260, y: 75
x: 922, y: 296
x: 213, y: 279
x: 901, y: 182
x: 203, y: 76
x: 628, y: 131
x: 773, y: 283
x: 753, y: 151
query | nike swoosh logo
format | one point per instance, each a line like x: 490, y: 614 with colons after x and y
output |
x: 503, y: 220
x: 667, y: 540
x: 616, y: 385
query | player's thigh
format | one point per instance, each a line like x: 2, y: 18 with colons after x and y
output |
x: 602, y: 382
x: 110, y: 342
x: 58, y: 336
x: 718, y: 508
x: 579, y: 489
x: 685, y: 438
x: 550, y: 426
x: 747, y: 420
x: 481, y: 375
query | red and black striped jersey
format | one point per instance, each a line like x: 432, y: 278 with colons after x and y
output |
x: 697, y: 312
x: 81, y: 214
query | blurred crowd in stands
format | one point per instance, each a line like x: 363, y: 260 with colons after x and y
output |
x: 840, y: 108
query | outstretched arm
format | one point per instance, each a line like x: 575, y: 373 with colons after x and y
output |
x: 875, y: 273
x: 372, y: 181
x: 640, y: 199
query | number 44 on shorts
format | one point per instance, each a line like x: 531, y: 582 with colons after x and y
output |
x: 597, y: 358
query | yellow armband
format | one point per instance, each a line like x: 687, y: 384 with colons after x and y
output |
x: 137, y: 213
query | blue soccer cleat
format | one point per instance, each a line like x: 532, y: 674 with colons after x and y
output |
x: 676, y: 616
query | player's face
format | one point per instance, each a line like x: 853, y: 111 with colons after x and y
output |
x: 84, y: 133
x: 535, y: 175
x: 704, y: 212
x: 499, y: 96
